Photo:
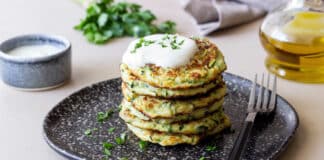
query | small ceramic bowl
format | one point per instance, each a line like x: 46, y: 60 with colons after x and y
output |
x: 36, y: 73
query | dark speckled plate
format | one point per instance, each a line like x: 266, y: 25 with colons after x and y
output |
x: 65, y: 124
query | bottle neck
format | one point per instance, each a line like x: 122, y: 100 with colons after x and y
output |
x: 314, y: 5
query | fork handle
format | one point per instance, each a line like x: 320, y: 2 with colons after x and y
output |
x: 241, y: 141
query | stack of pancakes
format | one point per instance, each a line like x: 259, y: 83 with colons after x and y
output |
x: 172, y: 106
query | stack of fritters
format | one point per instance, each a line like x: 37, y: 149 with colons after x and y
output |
x: 172, y: 106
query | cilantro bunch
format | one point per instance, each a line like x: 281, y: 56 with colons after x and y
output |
x: 106, y: 20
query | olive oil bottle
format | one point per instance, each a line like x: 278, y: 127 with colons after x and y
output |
x: 294, y: 41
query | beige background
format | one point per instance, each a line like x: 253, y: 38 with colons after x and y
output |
x: 22, y: 113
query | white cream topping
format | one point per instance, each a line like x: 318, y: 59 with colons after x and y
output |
x: 32, y: 51
x: 161, y: 49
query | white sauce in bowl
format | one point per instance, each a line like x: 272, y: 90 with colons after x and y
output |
x: 32, y: 51
x: 161, y: 49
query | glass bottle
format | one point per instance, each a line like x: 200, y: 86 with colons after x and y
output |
x: 294, y: 40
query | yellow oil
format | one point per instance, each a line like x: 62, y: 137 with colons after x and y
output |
x: 300, y: 56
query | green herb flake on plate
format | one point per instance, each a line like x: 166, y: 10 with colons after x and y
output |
x: 142, y: 145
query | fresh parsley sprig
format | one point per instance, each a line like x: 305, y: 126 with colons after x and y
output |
x: 106, y: 20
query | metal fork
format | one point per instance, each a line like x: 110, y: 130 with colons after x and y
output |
x: 262, y: 107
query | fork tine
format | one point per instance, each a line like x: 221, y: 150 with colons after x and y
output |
x: 258, y: 105
x: 266, y: 95
x: 273, y: 94
x: 252, y: 95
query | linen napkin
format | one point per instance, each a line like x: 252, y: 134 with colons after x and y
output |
x: 212, y: 15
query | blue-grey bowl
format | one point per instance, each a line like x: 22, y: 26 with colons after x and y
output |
x: 38, y: 73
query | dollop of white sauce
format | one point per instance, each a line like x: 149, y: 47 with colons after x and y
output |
x: 159, y: 51
x: 32, y: 51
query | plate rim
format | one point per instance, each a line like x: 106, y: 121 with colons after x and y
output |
x: 68, y: 154
x: 56, y: 148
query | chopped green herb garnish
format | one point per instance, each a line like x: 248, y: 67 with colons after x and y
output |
x: 106, y: 148
x: 119, y: 108
x: 107, y: 145
x: 142, y: 42
x: 138, y: 45
x: 162, y: 45
x: 181, y: 42
x: 106, y: 20
x: 103, y: 116
x: 122, y: 139
x: 166, y: 37
x: 88, y: 132
x: 173, y: 46
x: 111, y: 129
x: 202, y: 158
x: 123, y: 158
x: 211, y: 148
x: 148, y: 42
x: 142, y: 145
x: 107, y: 152
x: 165, y: 41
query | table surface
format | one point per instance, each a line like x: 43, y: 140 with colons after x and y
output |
x: 22, y: 113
